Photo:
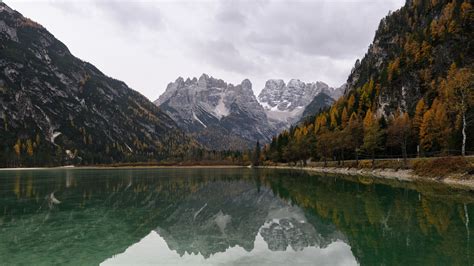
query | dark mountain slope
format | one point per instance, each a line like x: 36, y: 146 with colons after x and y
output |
x: 413, y: 92
x: 413, y: 49
x: 320, y: 102
x: 57, y: 109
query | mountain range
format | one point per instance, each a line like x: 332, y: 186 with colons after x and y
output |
x: 222, y: 116
x: 286, y: 104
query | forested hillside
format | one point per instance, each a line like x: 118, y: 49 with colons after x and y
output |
x: 411, y: 93
x: 57, y: 109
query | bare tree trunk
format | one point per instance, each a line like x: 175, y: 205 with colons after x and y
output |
x: 404, y: 152
x: 463, y: 148
x: 357, y: 157
x: 373, y: 159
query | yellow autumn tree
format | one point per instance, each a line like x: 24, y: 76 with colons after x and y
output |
x: 458, y: 92
x: 355, y: 132
x: 344, y: 118
x: 418, y: 118
x: 321, y: 123
x: 333, y: 116
x: 399, y: 132
x: 466, y: 11
x: 29, y: 147
x: 372, y: 135
x: 351, y: 102
x: 17, y: 147
x: 393, y: 68
x: 435, y: 128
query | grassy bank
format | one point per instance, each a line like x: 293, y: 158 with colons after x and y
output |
x: 434, y: 167
x: 458, y: 171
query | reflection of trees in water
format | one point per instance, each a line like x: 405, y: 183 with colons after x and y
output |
x: 389, y: 225
x: 111, y: 210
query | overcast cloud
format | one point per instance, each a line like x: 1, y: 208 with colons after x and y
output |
x: 148, y: 44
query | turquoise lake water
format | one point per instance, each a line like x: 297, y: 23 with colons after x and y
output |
x: 228, y: 217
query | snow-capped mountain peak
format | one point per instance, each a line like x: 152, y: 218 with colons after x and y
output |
x: 209, y: 107
x: 286, y: 97
x: 285, y: 103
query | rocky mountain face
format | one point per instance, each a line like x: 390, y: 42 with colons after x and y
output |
x: 413, y: 49
x: 420, y: 66
x: 219, y: 115
x: 320, y: 102
x: 56, y: 108
x: 285, y: 103
x: 223, y: 116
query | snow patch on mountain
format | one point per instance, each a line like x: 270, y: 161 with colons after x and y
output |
x: 221, y: 110
x: 197, y: 119
x: 285, y: 103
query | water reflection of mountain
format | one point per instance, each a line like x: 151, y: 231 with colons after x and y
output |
x: 224, y: 214
x: 102, y: 213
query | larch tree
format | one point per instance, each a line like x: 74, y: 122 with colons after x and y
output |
x: 17, y: 147
x: 351, y: 103
x: 418, y: 118
x: 372, y: 135
x: 435, y: 128
x: 442, y: 127
x: 333, y: 117
x: 355, y: 134
x: 29, y: 147
x: 399, y: 130
x: 344, y: 118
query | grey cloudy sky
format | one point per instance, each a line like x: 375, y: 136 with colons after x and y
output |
x: 148, y: 44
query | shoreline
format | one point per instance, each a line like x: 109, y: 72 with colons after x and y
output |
x: 127, y: 167
x: 406, y: 175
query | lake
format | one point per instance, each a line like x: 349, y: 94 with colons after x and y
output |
x: 229, y: 217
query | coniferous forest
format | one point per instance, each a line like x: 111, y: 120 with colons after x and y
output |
x: 411, y: 95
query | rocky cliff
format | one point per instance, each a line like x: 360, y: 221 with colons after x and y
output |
x: 286, y: 103
x: 219, y: 115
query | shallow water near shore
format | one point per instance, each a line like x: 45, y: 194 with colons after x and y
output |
x: 228, y: 217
